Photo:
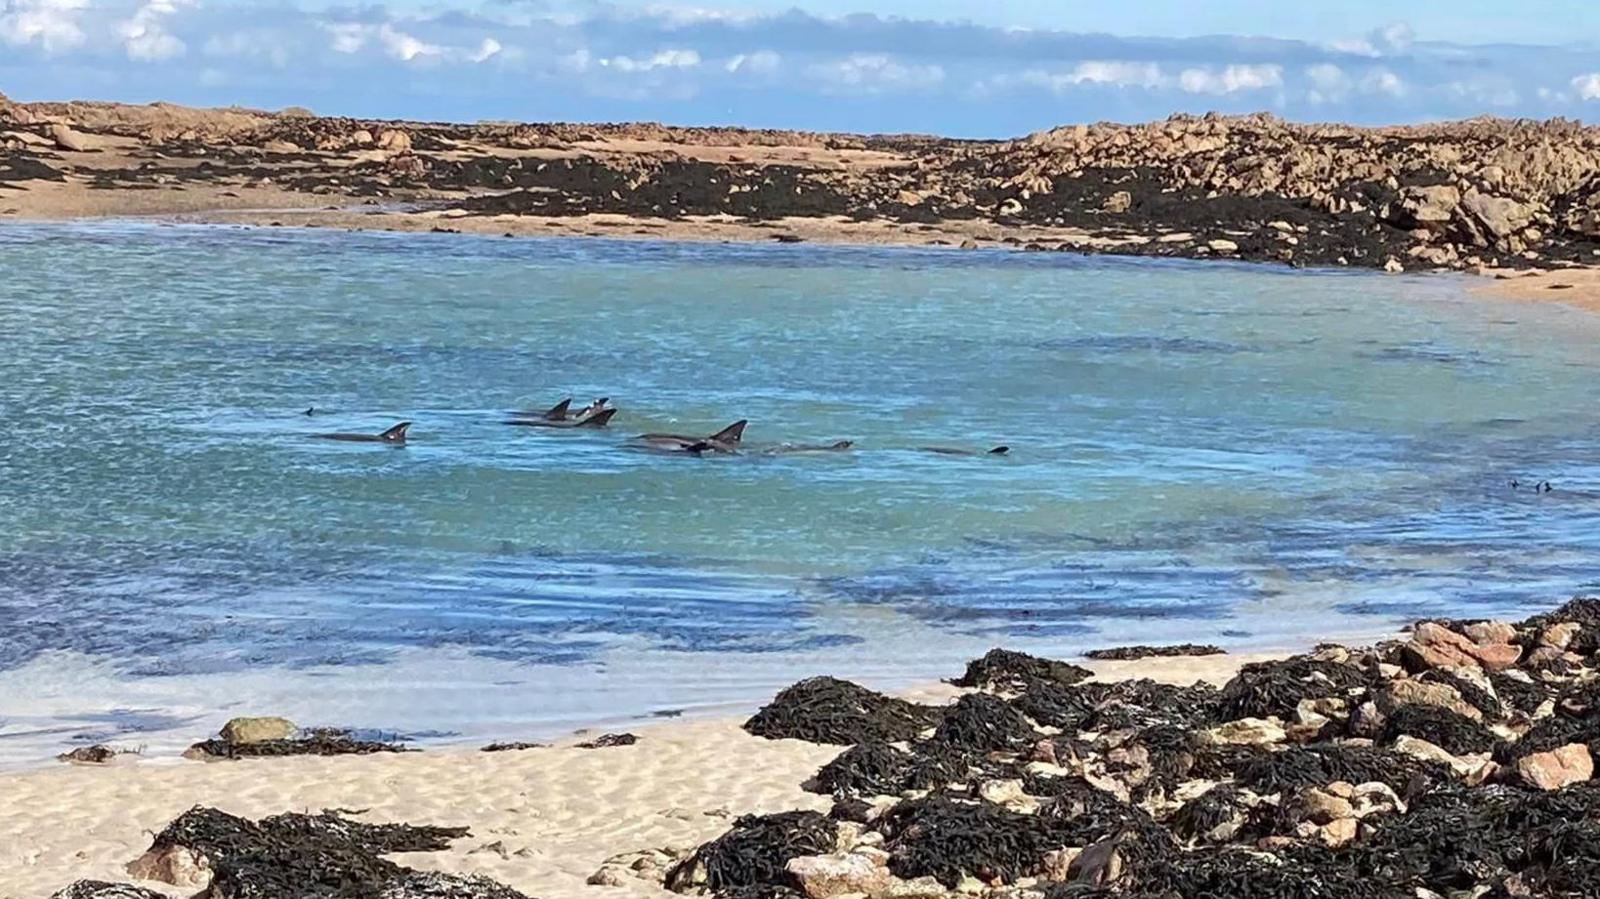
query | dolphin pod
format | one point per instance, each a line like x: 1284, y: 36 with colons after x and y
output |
x: 598, y: 414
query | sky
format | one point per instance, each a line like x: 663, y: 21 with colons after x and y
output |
x: 996, y: 68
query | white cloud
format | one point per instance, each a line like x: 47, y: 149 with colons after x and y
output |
x: 1587, y: 86
x: 145, y: 37
x: 1391, y: 40
x: 489, y: 49
x: 404, y: 47
x: 347, y: 38
x: 1231, y: 79
x: 761, y: 62
x: 663, y: 59
x: 1383, y: 81
x: 871, y: 73
x: 1116, y: 74
x: 52, y: 23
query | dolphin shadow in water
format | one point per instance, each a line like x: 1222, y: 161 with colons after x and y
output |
x: 725, y: 441
x: 395, y: 436
x: 785, y: 449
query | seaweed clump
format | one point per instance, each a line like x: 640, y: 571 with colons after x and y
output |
x: 1005, y: 670
x: 1141, y: 651
x: 323, y: 741
x: 829, y: 710
x: 294, y: 856
x: 755, y: 853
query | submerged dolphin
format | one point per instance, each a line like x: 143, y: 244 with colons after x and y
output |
x: 957, y: 451
x: 784, y: 449
x: 724, y: 441
x: 395, y: 436
x: 562, y: 411
x: 589, y: 420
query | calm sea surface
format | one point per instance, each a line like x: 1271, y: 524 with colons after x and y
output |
x: 1225, y: 453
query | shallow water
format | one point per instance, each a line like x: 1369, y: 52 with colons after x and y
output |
x: 1217, y: 452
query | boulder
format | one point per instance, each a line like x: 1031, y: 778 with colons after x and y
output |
x: 1118, y: 203
x: 826, y: 876
x: 1317, y: 806
x: 1487, y: 632
x: 1498, y: 216
x: 175, y: 865
x: 1248, y: 732
x: 67, y: 139
x: 394, y: 140
x: 1409, y: 691
x: 1560, y: 636
x: 1430, y: 208
x: 1557, y: 768
x: 1223, y: 246
x: 244, y: 731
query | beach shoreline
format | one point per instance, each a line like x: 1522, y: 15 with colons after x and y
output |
x: 558, y: 812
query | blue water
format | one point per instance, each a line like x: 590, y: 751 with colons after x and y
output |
x: 1223, y: 452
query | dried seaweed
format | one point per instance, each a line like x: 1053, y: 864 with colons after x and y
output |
x: 607, y: 741
x: 983, y: 722
x: 99, y: 889
x: 1448, y: 730
x: 316, y: 742
x: 1002, y: 669
x: 295, y: 856
x: 1134, y: 653
x: 949, y: 839
x: 876, y: 769
x: 1265, y: 689
x: 1321, y: 764
x: 755, y: 853
x: 828, y: 710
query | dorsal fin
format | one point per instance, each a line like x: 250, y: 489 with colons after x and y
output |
x: 396, y: 434
x: 843, y: 444
x: 1000, y: 451
x: 558, y: 412
x: 599, y: 419
x: 731, y: 434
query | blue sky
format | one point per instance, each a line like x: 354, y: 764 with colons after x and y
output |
x: 991, y: 69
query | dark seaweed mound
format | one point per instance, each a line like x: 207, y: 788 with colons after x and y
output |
x: 755, y: 852
x: 1134, y: 653
x: 1002, y: 669
x: 828, y: 710
x: 947, y: 839
x: 1266, y: 689
x: 1454, y: 733
x: 325, y: 856
x: 99, y: 889
x: 316, y: 742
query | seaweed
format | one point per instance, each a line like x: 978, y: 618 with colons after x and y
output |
x: 316, y: 742
x: 983, y: 722
x: 294, y: 856
x: 1523, y: 695
x: 1003, y: 669
x: 1054, y: 704
x: 1146, y: 703
x: 99, y: 889
x: 1134, y: 653
x: 876, y: 769
x: 1450, y: 731
x: 97, y: 754
x: 607, y: 741
x: 948, y: 839
x: 755, y: 853
x: 1320, y: 764
x: 1264, y: 689
x: 828, y: 710
x: 513, y: 747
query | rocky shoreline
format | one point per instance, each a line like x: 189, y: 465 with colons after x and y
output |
x: 1457, y: 761
x: 1478, y: 195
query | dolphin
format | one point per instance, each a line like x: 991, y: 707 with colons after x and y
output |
x: 395, y: 436
x: 558, y: 412
x: 724, y: 441
x: 784, y: 449
x: 596, y: 420
x: 957, y: 451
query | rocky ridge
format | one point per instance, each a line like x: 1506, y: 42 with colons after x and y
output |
x: 1484, y: 193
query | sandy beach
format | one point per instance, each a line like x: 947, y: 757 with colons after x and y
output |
x: 542, y: 820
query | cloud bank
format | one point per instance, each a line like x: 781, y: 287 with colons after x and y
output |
x: 540, y: 60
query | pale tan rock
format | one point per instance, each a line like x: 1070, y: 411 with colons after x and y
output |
x: 394, y: 140
x: 1118, y: 203
x: 1560, y: 636
x: 243, y: 731
x: 1409, y: 691
x: 1222, y: 245
x: 175, y: 865
x: 1483, y: 632
x: 1557, y: 768
x: 1248, y: 732
x: 827, y: 876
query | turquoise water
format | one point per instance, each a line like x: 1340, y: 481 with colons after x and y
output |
x: 1230, y: 453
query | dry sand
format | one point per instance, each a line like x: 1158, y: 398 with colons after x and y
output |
x: 542, y: 820
x: 1578, y: 287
